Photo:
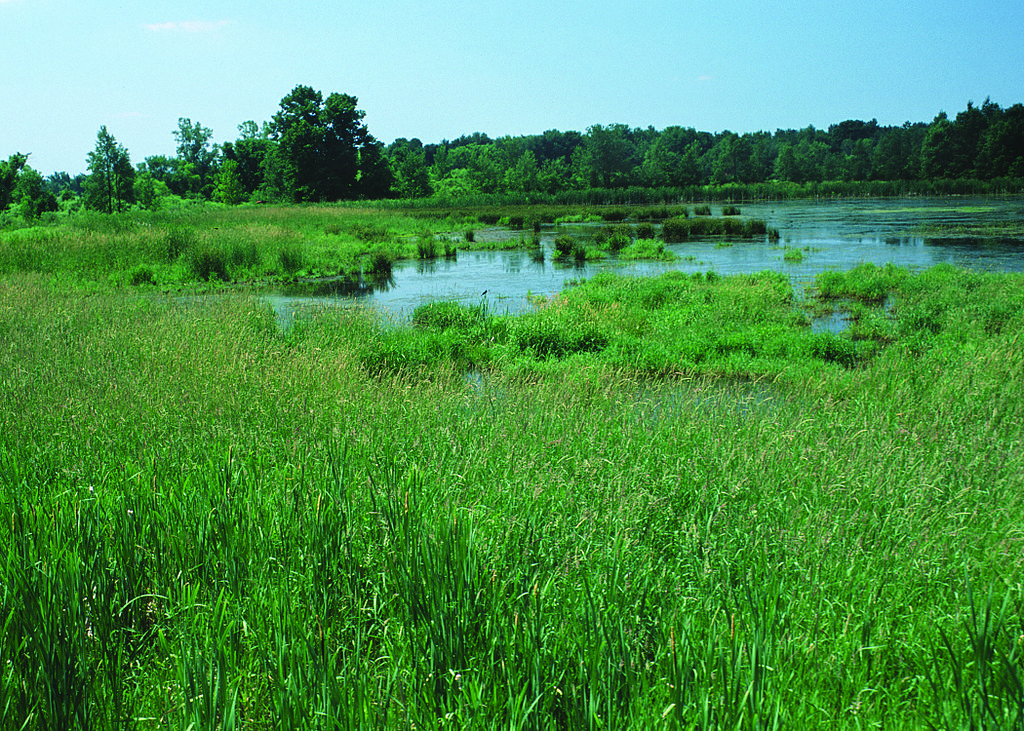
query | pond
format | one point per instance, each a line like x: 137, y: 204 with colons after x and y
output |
x: 815, y: 236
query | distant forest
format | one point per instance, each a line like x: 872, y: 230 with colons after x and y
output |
x: 318, y: 149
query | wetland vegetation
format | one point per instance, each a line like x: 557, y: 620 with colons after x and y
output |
x: 647, y: 502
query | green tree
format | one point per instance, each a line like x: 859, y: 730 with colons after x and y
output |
x: 674, y: 158
x: 1003, y: 144
x: 937, y: 149
x: 523, y: 175
x: 229, y: 184
x: 786, y: 168
x: 9, y: 172
x: 732, y: 155
x: 33, y: 197
x: 198, y: 156
x: 607, y: 157
x: 250, y: 153
x: 319, y: 143
x: 109, y: 187
x: 375, y: 178
x: 409, y: 170
x: 149, y: 192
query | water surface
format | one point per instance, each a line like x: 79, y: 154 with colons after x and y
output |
x: 828, y: 234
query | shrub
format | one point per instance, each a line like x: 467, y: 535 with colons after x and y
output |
x: 645, y: 230
x: 619, y: 241
x: 381, y: 264
x: 564, y: 245
x: 728, y: 210
x: 702, y: 210
x: 470, y: 235
x: 675, y: 229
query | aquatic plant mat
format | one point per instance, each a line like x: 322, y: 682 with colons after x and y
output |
x: 637, y: 512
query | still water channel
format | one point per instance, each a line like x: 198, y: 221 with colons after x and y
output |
x: 911, y: 232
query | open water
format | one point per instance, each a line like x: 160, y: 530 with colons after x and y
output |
x: 912, y: 232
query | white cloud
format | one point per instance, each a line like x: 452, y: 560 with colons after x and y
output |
x: 187, y: 26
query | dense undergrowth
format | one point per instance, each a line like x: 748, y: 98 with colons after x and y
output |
x: 659, y: 503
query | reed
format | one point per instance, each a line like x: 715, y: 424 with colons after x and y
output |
x: 212, y: 522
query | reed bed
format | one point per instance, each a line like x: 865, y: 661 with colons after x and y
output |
x: 211, y: 522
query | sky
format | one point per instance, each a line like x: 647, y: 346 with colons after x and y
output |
x: 437, y: 70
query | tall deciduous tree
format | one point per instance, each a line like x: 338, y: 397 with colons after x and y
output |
x: 200, y: 157
x: 320, y: 142
x: 109, y: 187
x: 9, y: 177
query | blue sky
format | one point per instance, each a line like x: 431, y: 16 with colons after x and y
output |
x: 436, y: 70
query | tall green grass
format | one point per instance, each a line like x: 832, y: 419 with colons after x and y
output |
x: 210, y: 522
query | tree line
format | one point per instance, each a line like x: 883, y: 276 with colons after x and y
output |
x: 318, y: 148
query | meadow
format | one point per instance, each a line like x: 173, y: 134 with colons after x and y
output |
x: 665, y: 502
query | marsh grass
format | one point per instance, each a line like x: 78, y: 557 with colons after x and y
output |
x: 680, y: 229
x: 189, y: 245
x: 209, y: 522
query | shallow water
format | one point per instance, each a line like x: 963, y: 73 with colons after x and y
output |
x: 828, y: 234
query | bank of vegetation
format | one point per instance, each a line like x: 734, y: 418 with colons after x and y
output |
x: 211, y: 245
x: 647, y: 503
x: 319, y: 148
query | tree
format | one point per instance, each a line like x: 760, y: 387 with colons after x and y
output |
x: 375, y: 178
x: 673, y: 159
x: 785, y: 164
x: 410, y: 173
x: 937, y: 149
x: 229, y: 184
x: 733, y: 159
x: 34, y: 199
x: 250, y: 152
x: 607, y: 156
x: 319, y: 142
x: 197, y: 155
x: 109, y: 187
x: 9, y: 177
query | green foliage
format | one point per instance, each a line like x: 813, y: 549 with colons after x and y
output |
x: 291, y: 259
x: 332, y: 526
x: 207, y: 263
x: 9, y: 172
x: 866, y: 282
x: 680, y: 229
x: 326, y: 151
x: 142, y: 274
x: 651, y: 249
x: 110, y: 185
x: 444, y: 314
x: 179, y: 239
